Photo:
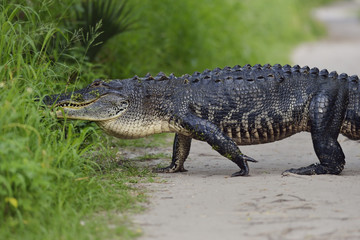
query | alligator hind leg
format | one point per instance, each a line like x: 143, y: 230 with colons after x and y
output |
x: 181, y: 149
x: 331, y: 156
x: 326, y: 114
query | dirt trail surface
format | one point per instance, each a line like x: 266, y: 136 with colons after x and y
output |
x: 205, y: 203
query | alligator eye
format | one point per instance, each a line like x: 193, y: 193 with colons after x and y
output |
x: 96, y: 83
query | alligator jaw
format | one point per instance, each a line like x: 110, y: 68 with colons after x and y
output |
x: 74, y: 105
x: 63, y: 106
x: 102, y: 108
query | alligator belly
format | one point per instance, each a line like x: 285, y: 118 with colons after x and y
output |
x: 129, y: 130
x: 250, y: 136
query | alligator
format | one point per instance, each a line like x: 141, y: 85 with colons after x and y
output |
x: 225, y: 108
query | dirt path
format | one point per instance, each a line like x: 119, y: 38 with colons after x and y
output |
x: 204, y: 203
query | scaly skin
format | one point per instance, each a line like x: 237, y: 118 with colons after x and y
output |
x: 225, y: 108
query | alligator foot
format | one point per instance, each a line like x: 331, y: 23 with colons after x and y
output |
x: 243, y: 172
x: 314, y: 169
x: 169, y: 169
x: 244, y: 167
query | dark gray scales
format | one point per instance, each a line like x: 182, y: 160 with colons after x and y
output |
x: 238, y: 106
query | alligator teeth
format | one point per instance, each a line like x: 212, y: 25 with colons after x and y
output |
x: 72, y: 105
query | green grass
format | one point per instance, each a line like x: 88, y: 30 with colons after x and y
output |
x: 157, y: 140
x: 64, y: 179
x: 51, y: 184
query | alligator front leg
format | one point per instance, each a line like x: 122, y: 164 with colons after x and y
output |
x: 181, y: 149
x: 326, y: 115
x: 206, y: 131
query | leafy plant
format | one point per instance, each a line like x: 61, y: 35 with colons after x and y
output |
x: 112, y: 17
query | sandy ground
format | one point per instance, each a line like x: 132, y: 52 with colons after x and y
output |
x: 205, y: 203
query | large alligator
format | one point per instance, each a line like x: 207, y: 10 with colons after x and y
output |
x: 226, y: 107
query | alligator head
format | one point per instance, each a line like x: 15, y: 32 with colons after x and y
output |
x: 100, y: 101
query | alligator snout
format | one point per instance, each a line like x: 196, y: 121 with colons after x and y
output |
x: 49, y: 99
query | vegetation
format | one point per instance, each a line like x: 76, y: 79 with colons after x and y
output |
x: 64, y: 179
x: 187, y: 36
x: 52, y: 183
x: 113, y: 16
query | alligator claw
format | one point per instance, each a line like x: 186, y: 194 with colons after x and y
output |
x: 249, y: 159
x: 314, y: 169
x: 242, y: 172
x: 169, y: 169
x: 162, y: 170
x: 301, y: 171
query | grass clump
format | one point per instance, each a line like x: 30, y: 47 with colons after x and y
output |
x: 51, y: 187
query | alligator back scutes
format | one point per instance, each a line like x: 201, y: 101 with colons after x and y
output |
x: 250, y: 73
